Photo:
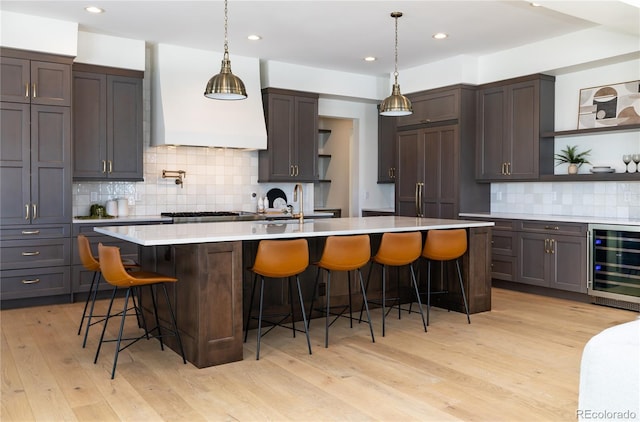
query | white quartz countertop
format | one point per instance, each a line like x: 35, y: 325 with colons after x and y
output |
x: 180, y: 234
x: 132, y: 219
x: 558, y: 218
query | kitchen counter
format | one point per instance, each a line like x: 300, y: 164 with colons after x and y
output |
x: 553, y: 217
x: 180, y: 234
x: 210, y: 261
x: 119, y: 220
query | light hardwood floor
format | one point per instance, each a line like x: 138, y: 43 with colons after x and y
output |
x: 519, y: 362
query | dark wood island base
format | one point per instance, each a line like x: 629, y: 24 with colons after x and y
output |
x: 213, y: 281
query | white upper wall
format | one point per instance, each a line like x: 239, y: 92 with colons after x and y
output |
x: 43, y: 34
x: 105, y: 50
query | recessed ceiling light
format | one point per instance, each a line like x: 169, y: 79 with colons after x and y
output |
x: 94, y: 9
x: 440, y: 36
x: 370, y: 59
x: 254, y: 37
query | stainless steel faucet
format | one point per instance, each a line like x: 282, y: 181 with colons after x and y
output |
x: 299, y: 215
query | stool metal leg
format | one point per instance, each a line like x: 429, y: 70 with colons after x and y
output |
x: 293, y: 319
x: 93, y: 291
x: 384, y: 298
x: 304, y: 315
x: 428, y: 289
x: 253, y: 292
x: 366, y: 305
x: 326, y: 318
x: 415, y: 285
x: 90, y: 296
x: 349, y: 291
x: 104, y: 327
x: 260, y: 317
x: 464, y: 297
x: 124, y: 316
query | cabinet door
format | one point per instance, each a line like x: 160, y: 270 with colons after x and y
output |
x: 14, y: 80
x: 89, y: 125
x: 569, y: 263
x: 15, y: 190
x: 124, y: 127
x: 432, y: 107
x: 532, y: 260
x: 386, y: 149
x: 51, y: 164
x: 306, y: 140
x: 441, y: 158
x: 410, y: 146
x: 280, y: 121
x: 50, y: 83
x: 521, y: 150
x: 490, y: 138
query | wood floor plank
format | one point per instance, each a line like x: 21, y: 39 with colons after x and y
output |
x: 519, y: 361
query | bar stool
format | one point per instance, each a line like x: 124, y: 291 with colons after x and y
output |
x: 115, y: 274
x: 445, y: 245
x: 344, y: 253
x: 90, y: 263
x: 397, y: 250
x: 279, y: 259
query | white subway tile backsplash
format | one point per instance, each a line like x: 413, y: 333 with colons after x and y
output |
x: 598, y: 199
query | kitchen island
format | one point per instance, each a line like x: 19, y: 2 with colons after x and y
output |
x: 211, y: 260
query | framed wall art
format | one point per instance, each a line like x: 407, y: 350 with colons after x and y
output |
x: 609, y: 105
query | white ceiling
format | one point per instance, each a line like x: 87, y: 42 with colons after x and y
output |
x: 336, y: 34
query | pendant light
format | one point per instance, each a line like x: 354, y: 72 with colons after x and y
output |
x: 396, y: 104
x: 225, y: 85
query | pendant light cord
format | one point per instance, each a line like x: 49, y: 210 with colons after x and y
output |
x: 395, y: 74
x: 226, y: 41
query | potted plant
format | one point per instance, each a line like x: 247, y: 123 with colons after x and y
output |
x: 574, y: 158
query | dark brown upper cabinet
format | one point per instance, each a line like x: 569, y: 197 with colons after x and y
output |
x: 107, y: 124
x: 292, y: 136
x: 512, y: 115
x: 386, y: 149
x: 432, y: 106
x: 35, y: 78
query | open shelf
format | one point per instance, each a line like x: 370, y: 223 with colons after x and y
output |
x: 596, y: 130
x: 595, y: 177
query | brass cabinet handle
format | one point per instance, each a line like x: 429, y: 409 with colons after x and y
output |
x: 104, y: 166
x: 35, y: 280
x: 291, y: 170
x: 34, y: 90
x: 30, y: 231
x: 416, y: 199
x: 421, y: 203
x: 26, y: 214
x: 110, y: 166
x: 546, y: 246
x: 502, y: 169
x: 552, y: 246
x: 36, y: 253
x: 552, y: 228
x: 35, y: 212
x: 26, y: 90
x: 509, y: 169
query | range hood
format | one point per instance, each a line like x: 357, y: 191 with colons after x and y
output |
x: 180, y: 113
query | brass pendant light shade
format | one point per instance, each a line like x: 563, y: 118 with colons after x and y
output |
x: 225, y: 85
x: 396, y: 104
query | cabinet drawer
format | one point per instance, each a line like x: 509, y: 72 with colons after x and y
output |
x: 81, y: 280
x: 16, y: 254
x: 20, y: 284
x: 128, y: 250
x: 35, y: 232
x: 503, y: 267
x: 551, y: 227
x: 504, y: 225
x: 503, y: 243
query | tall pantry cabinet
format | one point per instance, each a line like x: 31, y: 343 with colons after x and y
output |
x: 35, y: 174
x: 435, y: 155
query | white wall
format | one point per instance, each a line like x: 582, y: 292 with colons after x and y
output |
x: 43, y: 34
x: 105, y: 50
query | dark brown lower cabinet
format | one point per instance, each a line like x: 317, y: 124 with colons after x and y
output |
x: 556, y: 261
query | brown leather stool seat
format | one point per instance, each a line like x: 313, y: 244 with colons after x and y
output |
x: 115, y: 274
x: 397, y: 250
x: 445, y: 245
x: 343, y: 253
x: 91, y: 263
x: 278, y: 259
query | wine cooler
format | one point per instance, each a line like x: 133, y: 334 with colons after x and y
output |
x: 614, y: 265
